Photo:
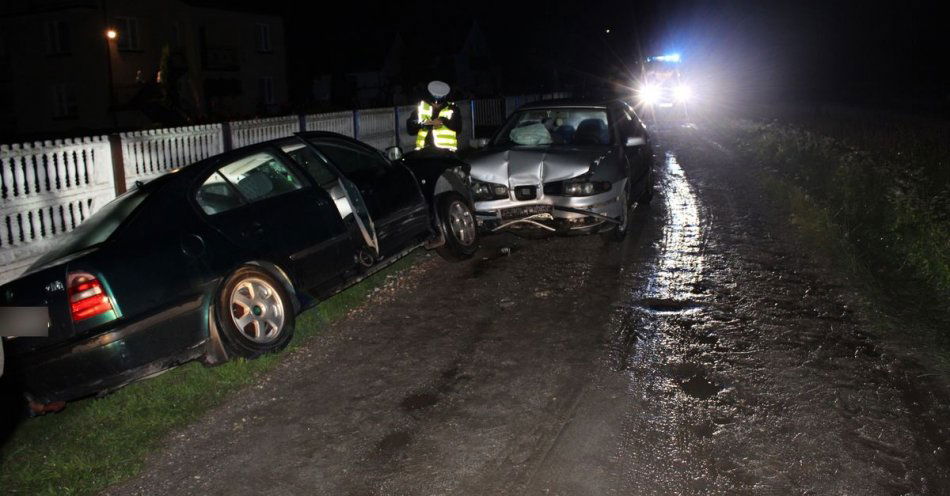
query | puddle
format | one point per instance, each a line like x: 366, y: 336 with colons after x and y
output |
x: 680, y: 265
x: 699, y: 387
x: 667, y: 306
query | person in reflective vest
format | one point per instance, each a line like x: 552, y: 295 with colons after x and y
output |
x: 436, y: 122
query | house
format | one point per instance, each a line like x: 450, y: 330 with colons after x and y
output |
x: 80, y: 66
x: 381, y: 69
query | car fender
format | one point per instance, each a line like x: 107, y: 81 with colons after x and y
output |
x: 439, y: 174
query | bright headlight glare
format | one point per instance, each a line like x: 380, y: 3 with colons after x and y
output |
x: 649, y: 94
x: 683, y: 93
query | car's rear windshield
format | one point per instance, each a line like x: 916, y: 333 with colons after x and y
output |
x: 556, y: 126
x: 97, y: 228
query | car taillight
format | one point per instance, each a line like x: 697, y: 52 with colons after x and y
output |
x: 87, y: 297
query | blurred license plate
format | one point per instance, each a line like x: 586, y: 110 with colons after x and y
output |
x: 24, y: 321
x: 518, y: 212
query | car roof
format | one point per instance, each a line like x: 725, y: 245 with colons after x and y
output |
x: 572, y: 103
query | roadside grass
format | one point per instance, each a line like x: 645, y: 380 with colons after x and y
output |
x: 97, y: 442
x: 890, y: 205
x: 877, y: 202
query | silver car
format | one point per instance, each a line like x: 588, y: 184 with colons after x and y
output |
x: 565, y: 166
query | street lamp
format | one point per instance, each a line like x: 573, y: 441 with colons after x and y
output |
x: 111, y: 35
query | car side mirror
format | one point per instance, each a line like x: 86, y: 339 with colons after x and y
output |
x: 394, y: 153
x: 635, y: 141
x: 478, y: 143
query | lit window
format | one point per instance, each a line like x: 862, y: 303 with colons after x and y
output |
x: 64, y: 101
x: 57, y: 37
x: 263, y: 38
x: 128, y: 28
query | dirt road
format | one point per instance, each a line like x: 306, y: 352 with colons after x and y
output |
x: 710, y: 353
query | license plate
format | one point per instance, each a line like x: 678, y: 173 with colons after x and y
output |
x: 526, y: 211
x: 24, y: 321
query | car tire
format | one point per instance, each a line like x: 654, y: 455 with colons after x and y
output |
x: 255, y: 313
x: 647, y: 195
x: 458, y: 228
x: 619, y: 232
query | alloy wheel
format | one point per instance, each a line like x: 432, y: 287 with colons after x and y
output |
x: 462, y: 223
x: 257, y: 310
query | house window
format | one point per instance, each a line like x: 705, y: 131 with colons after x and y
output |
x: 267, y: 90
x: 128, y: 28
x: 57, y: 37
x: 263, y: 38
x: 64, y: 101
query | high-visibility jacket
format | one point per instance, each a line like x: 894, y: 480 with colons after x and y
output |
x: 443, y: 137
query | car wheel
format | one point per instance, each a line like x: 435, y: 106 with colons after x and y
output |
x: 647, y: 195
x: 619, y: 232
x: 255, y: 313
x: 457, y: 224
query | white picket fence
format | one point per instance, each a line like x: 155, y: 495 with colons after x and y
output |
x: 48, y: 188
x: 253, y: 131
x: 377, y: 127
x: 337, y: 122
x: 148, y: 154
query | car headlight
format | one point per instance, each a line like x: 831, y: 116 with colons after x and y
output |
x: 649, y: 94
x: 682, y: 93
x: 582, y: 187
x: 489, y: 191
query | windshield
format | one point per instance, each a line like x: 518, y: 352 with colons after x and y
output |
x: 97, y: 228
x: 558, y: 126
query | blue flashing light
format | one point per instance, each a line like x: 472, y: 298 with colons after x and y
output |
x: 670, y: 57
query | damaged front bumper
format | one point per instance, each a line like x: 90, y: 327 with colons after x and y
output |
x: 559, y: 214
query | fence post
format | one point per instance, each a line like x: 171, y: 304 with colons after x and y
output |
x: 356, y: 124
x: 226, y: 136
x: 396, y: 126
x: 471, y: 104
x: 118, y: 163
x: 302, y: 120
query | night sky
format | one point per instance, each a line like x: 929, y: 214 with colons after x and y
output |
x: 801, y: 49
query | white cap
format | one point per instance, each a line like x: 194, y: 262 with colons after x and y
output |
x: 438, y: 89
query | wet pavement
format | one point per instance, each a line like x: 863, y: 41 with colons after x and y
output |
x: 709, y: 353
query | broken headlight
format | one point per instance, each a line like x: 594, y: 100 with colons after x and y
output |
x: 581, y: 186
x: 488, y: 191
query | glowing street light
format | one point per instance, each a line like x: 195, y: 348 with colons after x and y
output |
x: 112, y: 34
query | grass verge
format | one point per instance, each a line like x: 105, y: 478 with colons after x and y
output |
x: 882, y: 213
x: 98, y: 442
x: 889, y: 208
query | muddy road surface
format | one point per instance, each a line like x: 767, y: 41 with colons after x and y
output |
x: 709, y: 353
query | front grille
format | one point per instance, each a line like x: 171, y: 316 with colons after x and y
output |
x: 526, y: 192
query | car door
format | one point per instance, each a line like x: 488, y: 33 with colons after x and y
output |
x: 283, y: 216
x: 392, y: 195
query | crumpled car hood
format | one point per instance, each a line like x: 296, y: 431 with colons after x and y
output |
x: 528, y: 166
